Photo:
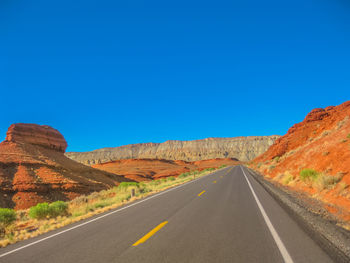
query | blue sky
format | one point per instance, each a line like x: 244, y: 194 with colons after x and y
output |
x: 109, y: 73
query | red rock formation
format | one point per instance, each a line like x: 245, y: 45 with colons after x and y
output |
x: 320, y: 142
x: 149, y: 169
x: 314, y: 124
x: 33, y: 168
x: 43, y: 135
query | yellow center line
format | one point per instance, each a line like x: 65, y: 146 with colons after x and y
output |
x: 214, y: 182
x: 201, y: 193
x: 149, y: 234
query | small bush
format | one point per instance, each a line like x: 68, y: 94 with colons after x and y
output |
x: 308, y: 175
x: 58, y: 208
x: 222, y: 166
x: 171, y: 178
x: 184, y: 175
x: 348, y: 136
x: 7, y: 217
x: 40, y: 211
x: 163, y: 180
x: 125, y: 185
x: 277, y: 159
x: 44, y: 210
x: 325, y: 182
x: 102, y: 204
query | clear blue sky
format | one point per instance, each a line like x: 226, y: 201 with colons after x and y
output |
x: 109, y: 73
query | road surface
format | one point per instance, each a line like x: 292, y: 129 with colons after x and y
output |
x: 223, y: 217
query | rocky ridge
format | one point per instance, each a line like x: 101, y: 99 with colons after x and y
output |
x: 241, y: 148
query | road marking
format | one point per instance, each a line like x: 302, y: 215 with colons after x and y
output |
x: 201, y: 193
x: 286, y: 257
x: 150, y: 233
x: 100, y: 217
x: 214, y: 182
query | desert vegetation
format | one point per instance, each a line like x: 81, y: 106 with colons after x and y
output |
x: 319, y: 181
x: 44, y: 217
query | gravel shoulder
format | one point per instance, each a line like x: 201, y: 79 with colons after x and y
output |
x: 316, y: 221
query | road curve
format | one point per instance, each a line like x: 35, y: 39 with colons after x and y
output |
x: 223, y: 217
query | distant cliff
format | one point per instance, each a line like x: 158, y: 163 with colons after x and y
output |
x: 241, y: 148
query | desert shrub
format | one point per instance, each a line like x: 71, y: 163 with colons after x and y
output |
x: 271, y: 167
x: 222, y: 166
x: 276, y: 159
x: 155, y: 182
x: 143, y: 188
x: 184, y: 175
x: 348, y: 136
x: 80, y: 200
x: 44, y: 210
x: 102, y: 204
x: 171, y: 178
x: 40, y: 211
x: 308, y: 175
x: 58, y: 208
x: 7, y: 217
x: 322, y: 182
x: 163, y: 180
x: 125, y: 185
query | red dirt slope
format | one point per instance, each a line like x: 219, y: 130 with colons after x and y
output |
x: 149, y: 169
x: 321, y: 142
x: 33, y: 168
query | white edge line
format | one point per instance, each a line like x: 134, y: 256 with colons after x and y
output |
x: 97, y: 218
x: 286, y: 257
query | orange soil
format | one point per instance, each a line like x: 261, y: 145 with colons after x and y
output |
x: 321, y: 142
x: 149, y: 169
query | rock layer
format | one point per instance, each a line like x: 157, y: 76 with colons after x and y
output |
x: 33, y: 169
x: 241, y: 148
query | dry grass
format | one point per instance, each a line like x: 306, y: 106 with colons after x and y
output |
x: 287, y: 179
x: 84, y: 207
x: 325, y: 182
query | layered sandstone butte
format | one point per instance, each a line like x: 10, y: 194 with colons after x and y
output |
x: 241, y: 148
x: 150, y: 169
x: 321, y: 142
x: 33, y: 168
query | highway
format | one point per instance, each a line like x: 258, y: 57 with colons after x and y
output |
x: 223, y: 217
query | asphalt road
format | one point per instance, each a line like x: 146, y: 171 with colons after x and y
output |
x: 223, y: 217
